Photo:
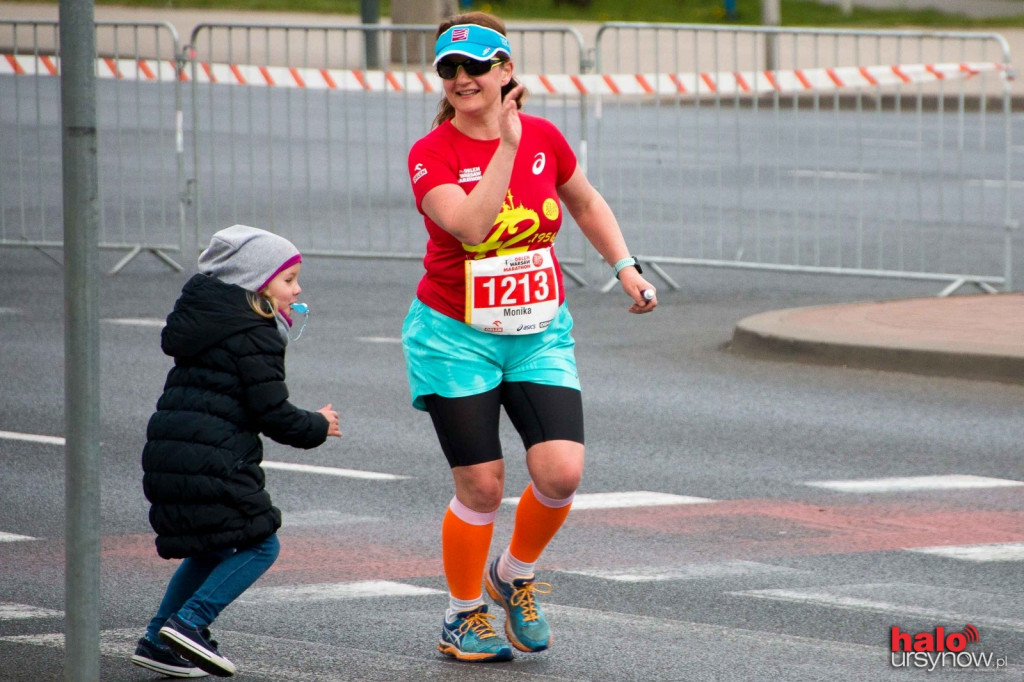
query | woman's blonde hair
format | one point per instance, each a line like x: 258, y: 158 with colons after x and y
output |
x: 260, y: 302
x: 445, y: 110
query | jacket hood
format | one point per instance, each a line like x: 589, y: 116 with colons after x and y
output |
x: 207, y: 312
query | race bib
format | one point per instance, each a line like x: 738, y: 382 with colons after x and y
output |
x: 514, y: 294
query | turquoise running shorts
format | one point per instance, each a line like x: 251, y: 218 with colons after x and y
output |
x: 450, y: 358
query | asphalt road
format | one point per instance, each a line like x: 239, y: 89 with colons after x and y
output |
x: 764, y: 577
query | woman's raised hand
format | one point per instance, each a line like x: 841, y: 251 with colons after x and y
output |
x: 510, y: 125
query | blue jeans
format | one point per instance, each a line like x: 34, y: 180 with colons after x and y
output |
x: 203, y: 585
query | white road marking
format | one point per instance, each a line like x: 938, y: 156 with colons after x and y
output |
x: 283, y: 466
x: 943, y: 605
x: 637, y: 498
x: 13, y: 537
x: 996, y: 551
x: 910, y: 483
x: 332, y: 471
x: 379, y: 339
x: 9, y: 311
x: 137, y: 321
x: 724, y: 569
x: 9, y: 611
x: 31, y: 438
x: 334, y: 591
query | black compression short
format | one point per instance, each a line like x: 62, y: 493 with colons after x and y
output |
x: 467, y: 428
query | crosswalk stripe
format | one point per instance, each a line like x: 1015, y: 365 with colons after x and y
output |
x: 332, y: 471
x: 943, y: 605
x: 334, y: 591
x: 723, y: 569
x: 9, y: 611
x: 619, y: 500
x: 911, y: 483
x: 995, y: 551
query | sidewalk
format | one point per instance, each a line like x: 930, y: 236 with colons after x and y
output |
x: 972, y: 337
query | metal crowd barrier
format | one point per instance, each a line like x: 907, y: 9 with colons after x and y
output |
x: 881, y: 153
x: 140, y: 149
x: 306, y: 130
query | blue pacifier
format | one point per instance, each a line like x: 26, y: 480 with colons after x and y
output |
x: 301, y: 309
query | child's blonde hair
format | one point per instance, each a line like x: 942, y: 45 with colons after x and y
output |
x: 259, y: 302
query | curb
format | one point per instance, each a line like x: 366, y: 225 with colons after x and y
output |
x: 770, y: 336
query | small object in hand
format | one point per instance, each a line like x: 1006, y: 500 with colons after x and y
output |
x: 648, y: 294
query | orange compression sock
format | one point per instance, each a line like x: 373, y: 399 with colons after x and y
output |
x: 538, y: 518
x: 465, y: 542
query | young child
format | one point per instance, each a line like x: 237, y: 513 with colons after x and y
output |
x: 227, y: 335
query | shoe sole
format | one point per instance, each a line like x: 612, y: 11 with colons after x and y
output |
x: 496, y: 596
x: 193, y: 653
x: 455, y: 652
x: 166, y: 670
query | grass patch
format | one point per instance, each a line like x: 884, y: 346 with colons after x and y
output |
x: 794, y: 12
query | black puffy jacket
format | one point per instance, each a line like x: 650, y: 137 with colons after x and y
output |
x: 202, y: 457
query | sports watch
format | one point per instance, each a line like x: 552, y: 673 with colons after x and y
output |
x: 625, y: 263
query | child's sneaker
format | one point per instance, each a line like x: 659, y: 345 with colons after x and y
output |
x: 471, y: 637
x: 526, y: 626
x: 162, y: 659
x: 196, y: 646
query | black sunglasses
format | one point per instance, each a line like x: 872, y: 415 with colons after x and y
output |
x: 447, y: 70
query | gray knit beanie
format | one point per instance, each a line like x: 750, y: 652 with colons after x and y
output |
x: 247, y: 256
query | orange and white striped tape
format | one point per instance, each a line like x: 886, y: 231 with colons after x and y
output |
x: 671, y: 84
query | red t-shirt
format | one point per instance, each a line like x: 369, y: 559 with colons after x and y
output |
x: 529, y: 218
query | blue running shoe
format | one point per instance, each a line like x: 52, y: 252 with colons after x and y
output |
x: 159, y: 658
x: 526, y: 626
x: 194, y: 645
x: 471, y: 637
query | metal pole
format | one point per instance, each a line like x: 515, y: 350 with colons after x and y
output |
x: 847, y: 7
x: 370, y: 10
x: 770, y: 16
x: 81, y: 341
x: 1010, y: 224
